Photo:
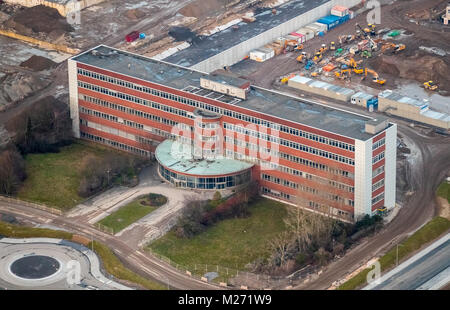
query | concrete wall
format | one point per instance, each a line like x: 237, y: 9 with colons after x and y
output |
x: 238, y: 52
x: 73, y: 97
x: 320, y: 91
x: 63, y: 8
x: 390, y: 170
x: 363, y: 178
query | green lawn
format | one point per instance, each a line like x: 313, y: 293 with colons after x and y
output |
x: 229, y: 243
x: 54, y: 178
x: 432, y: 230
x: 128, y: 214
x: 444, y: 190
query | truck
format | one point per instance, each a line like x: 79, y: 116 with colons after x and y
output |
x: 132, y: 36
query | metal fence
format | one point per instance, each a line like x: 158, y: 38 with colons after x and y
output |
x: 239, y: 279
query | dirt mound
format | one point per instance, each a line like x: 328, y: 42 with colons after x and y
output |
x: 420, y: 67
x: 202, y: 8
x: 38, y: 63
x: 17, y: 86
x: 183, y: 34
x: 38, y: 19
x: 134, y: 14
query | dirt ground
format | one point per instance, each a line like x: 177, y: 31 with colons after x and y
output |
x: 412, y: 64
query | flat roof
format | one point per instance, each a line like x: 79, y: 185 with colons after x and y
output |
x: 389, y: 94
x: 261, y: 100
x: 177, y: 157
x: 227, y: 79
x: 225, y: 39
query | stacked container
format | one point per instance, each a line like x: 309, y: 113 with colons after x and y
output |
x: 307, y: 33
x: 301, y: 37
x: 339, y: 11
x: 262, y: 54
x: 331, y: 21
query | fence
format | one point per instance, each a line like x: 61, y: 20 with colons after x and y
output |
x: 106, y: 229
x: 235, y: 278
x: 31, y: 205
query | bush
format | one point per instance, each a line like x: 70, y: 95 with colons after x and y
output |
x: 12, y: 171
x: 157, y: 200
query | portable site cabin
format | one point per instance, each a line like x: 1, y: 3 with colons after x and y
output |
x: 368, y: 101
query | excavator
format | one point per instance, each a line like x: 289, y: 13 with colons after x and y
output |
x: 369, y: 31
x: 317, y: 57
x: 302, y: 57
x: 375, y: 76
x: 396, y: 48
x: 367, y: 34
x: 344, y: 73
x: 298, y: 47
x: 430, y: 85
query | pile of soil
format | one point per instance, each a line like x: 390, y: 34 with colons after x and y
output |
x: 420, y: 67
x: 183, y: 34
x: 17, y: 86
x: 203, y: 8
x: 38, y: 63
x: 38, y: 19
x: 134, y: 14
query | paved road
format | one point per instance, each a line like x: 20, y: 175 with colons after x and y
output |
x: 139, y: 261
x: 64, y: 252
x: 427, y: 269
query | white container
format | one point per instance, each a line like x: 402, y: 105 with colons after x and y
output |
x: 351, y: 14
x: 308, y: 33
x: 339, y: 10
x: 321, y: 26
x: 316, y: 29
x: 261, y: 54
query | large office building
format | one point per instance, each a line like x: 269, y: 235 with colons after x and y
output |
x: 216, y: 131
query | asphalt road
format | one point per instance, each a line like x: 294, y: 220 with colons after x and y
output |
x: 414, y: 275
x: 139, y: 261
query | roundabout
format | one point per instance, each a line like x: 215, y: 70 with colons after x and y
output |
x: 50, y: 264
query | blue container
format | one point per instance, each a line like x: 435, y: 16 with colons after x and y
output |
x: 142, y: 35
x: 331, y: 21
x: 321, y: 34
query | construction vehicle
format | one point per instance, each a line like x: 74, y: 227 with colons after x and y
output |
x: 396, y: 48
x: 339, y: 52
x: 344, y: 73
x: 367, y: 35
x: 430, y: 85
x: 317, y: 57
x: 375, y: 76
x: 366, y: 54
x: 298, y: 47
x: 309, y: 64
x: 332, y: 46
x: 323, y: 49
x: 302, y: 58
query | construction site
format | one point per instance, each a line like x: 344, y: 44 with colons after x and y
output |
x: 393, y: 68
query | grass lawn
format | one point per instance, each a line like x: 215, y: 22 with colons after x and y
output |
x: 128, y: 214
x: 53, y: 178
x: 229, y: 243
x: 432, y: 230
x: 444, y: 190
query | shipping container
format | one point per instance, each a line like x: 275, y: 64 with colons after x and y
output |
x: 308, y: 33
x: 314, y: 28
x: 368, y: 101
x: 132, y: 36
x: 291, y: 37
x: 262, y: 54
x: 332, y: 21
x: 340, y: 11
x: 301, y: 38
x: 351, y: 14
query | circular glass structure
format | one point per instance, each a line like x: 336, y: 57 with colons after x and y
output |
x: 35, y: 267
x: 182, y: 170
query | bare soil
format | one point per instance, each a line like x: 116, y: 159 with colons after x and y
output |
x: 38, y: 63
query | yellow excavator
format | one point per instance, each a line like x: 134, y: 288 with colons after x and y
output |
x: 317, y: 57
x: 302, y: 57
x: 375, y: 76
x: 396, y: 48
x: 430, y: 85
x: 343, y: 73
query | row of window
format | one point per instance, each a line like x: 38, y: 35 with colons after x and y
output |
x: 304, y: 188
x: 115, y: 144
x: 227, y: 112
x: 378, y: 198
x: 291, y: 144
x: 378, y: 143
x: 315, y: 165
x: 148, y: 103
x: 377, y: 185
x: 378, y: 171
x: 377, y: 158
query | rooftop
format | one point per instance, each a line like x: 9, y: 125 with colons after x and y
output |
x: 389, y: 94
x: 223, y: 40
x: 261, y: 100
x: 177, y: 157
